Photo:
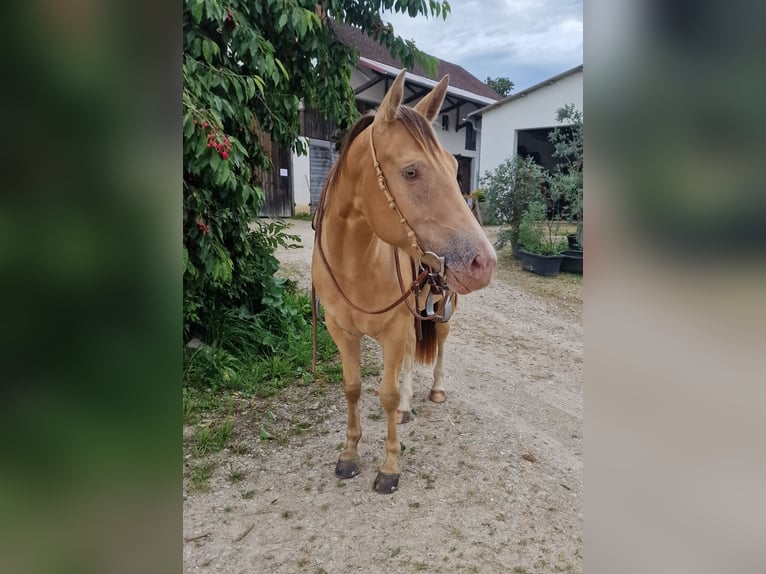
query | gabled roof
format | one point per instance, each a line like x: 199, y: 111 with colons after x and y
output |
x: 529, y: 90
x: 371, y: 53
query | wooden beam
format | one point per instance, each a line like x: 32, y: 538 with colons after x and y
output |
x: 415, y: 96
x: 367, y: 85
x: 448, y: 109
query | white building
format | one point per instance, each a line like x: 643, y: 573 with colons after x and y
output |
x: 520, y: 123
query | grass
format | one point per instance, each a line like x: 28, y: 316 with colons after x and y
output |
x: 254, y: 356
x: 201, y: 474
x: 211, y: 439
x: 240, y: 449
x: 235, y: 474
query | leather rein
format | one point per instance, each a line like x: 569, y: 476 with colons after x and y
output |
x: 428, y: 275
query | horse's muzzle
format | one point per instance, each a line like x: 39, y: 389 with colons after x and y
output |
x: 470, y: 267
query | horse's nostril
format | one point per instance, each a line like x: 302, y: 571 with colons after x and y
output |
x: 482, y: 265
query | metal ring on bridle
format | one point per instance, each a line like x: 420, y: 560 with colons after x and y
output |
x: 439, y: 267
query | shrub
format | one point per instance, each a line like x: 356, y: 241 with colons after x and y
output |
x: 538, y: 233
x: 509, y: 189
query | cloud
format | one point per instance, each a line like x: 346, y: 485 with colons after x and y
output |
x: 525, y: 40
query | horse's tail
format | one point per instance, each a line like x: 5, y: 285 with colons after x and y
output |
x: 425, y: 349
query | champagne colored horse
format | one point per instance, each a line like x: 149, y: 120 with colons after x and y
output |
x: 392, y: 228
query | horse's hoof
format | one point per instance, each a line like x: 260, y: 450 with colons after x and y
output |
x: 438, y: 396
x: 385, y: 483
x: 403, y: 417
x: 346, y: 468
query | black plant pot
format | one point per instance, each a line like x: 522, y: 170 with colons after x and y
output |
x: 573, y: 243
x: 515, y: 249
x: 546, y: 265
x: 572, y: 262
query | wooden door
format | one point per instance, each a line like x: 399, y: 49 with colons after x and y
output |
x: 277, y: 183
x: 321, y: 157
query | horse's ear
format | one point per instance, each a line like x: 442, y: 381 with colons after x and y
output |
x: 387, y: 110
x: 431, y: 103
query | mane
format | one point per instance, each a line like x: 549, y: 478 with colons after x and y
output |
x: 361, y: 124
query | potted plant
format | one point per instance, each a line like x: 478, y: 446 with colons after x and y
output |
x: 509, y: 189
x: 567, y: 179
x: 539, y: 241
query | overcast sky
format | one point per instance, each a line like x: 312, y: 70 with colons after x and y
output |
x: 527, y: 41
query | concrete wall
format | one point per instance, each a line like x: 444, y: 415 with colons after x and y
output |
x: 499, y: 126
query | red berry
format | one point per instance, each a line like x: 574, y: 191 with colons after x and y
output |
x: 225, y: 154
x: 205, y: 124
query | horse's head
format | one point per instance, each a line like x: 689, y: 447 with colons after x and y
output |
x: 422, y: 178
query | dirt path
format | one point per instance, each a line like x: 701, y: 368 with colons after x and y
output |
x: 491, y: 479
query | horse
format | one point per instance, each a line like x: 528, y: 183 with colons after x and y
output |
x: 394, y: 242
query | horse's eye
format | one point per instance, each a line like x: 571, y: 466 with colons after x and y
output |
x: 410, y: 172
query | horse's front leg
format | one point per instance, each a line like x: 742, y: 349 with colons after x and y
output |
x: 394, y: 345
x: 349, y: 346
x: 404, y: 413
x: 438, y: 394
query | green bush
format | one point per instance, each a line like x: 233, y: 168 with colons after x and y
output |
x: 509, y: 189
x: 257, y: 353
x: 539, y: 234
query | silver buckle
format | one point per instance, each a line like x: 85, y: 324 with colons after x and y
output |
x: 437, y: 264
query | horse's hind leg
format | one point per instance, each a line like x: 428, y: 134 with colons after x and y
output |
x: 438, y: 394
x: 349, y: 346
x: 394, y: 347
x: 404, y: 414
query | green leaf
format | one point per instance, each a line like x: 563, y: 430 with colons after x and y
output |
x: 188, y: 125
x: 282, y: 68
x: 271, y: 415
x: 206, y: 51
x: 237, y: 88
x: 196, y: 10
x: 260, y: 83
x: 265, y: 435
x: 282, y: 21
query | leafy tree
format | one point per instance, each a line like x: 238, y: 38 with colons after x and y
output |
x: 502, y: 85
x: 246, y: 68
x: 566, y: 181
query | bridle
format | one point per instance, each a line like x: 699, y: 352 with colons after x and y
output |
x: 432, y: 268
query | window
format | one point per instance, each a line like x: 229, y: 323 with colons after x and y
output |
x: 470, y: 137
